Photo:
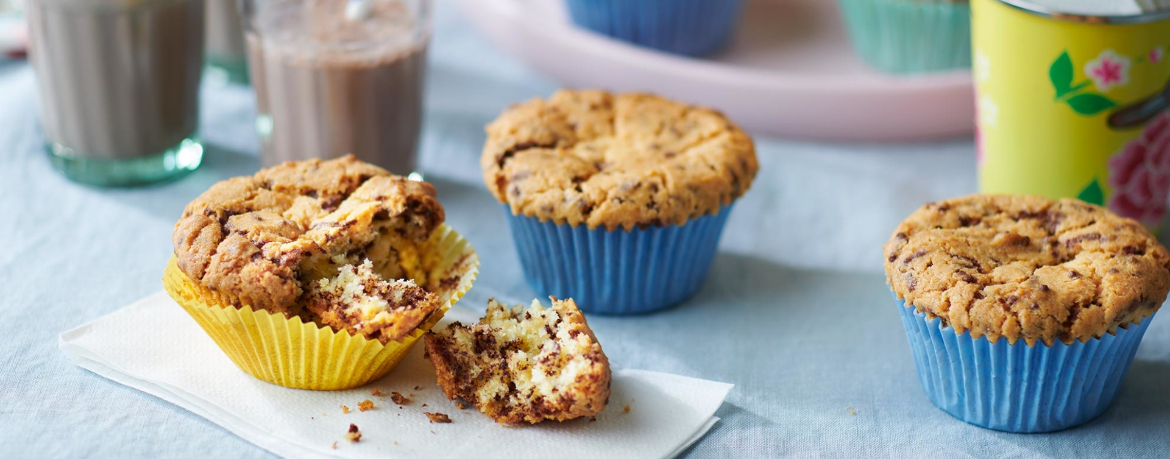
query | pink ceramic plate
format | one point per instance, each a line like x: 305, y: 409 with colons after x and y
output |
x: 790, y: 72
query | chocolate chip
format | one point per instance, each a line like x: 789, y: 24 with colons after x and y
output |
x: 1084, y: 237
x: 1044, y: 288
x: 965, y: 277
x: 1052, y: 221
x: 968, y: 262
x: 1023, y: 214
x: 1133, y: 250
x: 630, y: 186
x: 331, y: 203
x: 516, y: 148
x: 1074, y: 275
x: 584, y: 206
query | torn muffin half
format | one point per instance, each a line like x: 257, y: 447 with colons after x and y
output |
x: 523, y: 365
x: 361, y: 302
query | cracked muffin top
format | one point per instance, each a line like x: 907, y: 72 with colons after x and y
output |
x: 1026, y: 267
x: 626, y: 160
x: 263, y: 239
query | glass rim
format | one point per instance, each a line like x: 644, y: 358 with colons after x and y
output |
x: 419, y: 12
x: 1032, y: 7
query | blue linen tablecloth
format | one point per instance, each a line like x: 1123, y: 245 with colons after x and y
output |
x: 796, y: 312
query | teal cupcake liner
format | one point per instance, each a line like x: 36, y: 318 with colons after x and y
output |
x: 910, y: 36
x: 1016, y: 387
x: 688, y: 27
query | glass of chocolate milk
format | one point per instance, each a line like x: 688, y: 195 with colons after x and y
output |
x: 119, y: 87
x: 227, y: 57
x: 334, y: 77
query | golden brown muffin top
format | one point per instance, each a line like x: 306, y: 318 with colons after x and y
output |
x: 599, y: 159
x: 260, y: 238
x: 1026, y: 267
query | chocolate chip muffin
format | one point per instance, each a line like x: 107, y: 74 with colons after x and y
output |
x: 522, y: 365
x: 1025, y: 267
x: 274, y: 240
x: 616, y: 161
x: 616, y: 200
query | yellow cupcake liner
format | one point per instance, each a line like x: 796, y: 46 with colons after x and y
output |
x: 300, y: 355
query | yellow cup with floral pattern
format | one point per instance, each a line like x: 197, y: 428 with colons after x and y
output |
x: 1074, y: 103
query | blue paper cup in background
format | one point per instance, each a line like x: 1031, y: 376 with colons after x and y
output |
x: 1017, y: 387
x: 688, y: 27
x: 617, y: 272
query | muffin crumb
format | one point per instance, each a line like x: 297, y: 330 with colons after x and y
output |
x: 377, y: 393
x: 398, y: 398
x: 344, y: 409
x: 353, y: 435
x: 438, y: 418
x: 365, y: 405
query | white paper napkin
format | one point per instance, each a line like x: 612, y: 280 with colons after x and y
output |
x: 153, y: 346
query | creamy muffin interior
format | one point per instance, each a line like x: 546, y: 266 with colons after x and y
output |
x: 523, y: 364
x: 359, y: 300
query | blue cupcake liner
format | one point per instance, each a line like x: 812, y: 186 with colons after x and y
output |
x: 617, y: 272
x: 1016, y: 387
x: 688, y: 27
x: 910, y: 36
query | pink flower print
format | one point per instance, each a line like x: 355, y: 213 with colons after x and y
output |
x: 1156, y: 55
x: 1108, y: 70
x: 1140, y: 174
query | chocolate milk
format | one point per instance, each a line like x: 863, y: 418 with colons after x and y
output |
x: 118, y: 79
x: 327, y: 85
x: 225, y: 37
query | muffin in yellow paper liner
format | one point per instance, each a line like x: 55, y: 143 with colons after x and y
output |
x: 296, y: 354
